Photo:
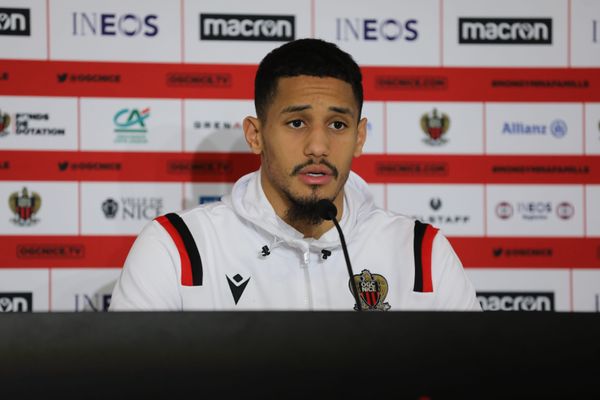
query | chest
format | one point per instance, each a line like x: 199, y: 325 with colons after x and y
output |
x: 291, y: 278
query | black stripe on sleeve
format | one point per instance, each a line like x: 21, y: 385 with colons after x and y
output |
x: 418, y: 244
x: 190, y: 247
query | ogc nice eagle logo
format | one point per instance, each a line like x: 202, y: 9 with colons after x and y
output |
x: 24, y: 207
x: 4, y: 124
x: 435, y: 127
x: 372, y: 291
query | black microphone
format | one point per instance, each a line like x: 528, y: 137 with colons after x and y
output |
x: 327, y: 210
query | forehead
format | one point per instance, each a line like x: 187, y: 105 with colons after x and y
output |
x: 313, y: 91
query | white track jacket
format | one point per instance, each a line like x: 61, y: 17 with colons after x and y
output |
x: 237, y: 254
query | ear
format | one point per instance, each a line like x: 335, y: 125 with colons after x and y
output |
x: 361, y: 137
x: 253, y: 135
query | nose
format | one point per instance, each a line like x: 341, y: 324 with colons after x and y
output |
x: 317, y: 143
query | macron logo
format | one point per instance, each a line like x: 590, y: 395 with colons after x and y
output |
x: 237, y: 285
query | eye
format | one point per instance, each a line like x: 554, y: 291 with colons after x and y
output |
x: 297, y: 123
x: 338, y: 125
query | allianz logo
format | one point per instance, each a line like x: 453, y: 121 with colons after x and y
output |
x: 557, y: 128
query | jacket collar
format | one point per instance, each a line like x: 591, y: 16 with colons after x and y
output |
x: 250, y: 203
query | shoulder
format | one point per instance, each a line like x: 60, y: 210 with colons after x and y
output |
x: 191, y: 216
x: 389, y: 221
x: 213, y: 209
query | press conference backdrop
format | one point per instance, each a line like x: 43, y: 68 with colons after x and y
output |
x: 484, y: 119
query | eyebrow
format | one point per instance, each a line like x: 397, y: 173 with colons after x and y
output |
x: 298, y: 108
x: 342, y: 110
x: 293, y: 109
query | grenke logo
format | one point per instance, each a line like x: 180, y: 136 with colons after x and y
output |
x: 16, y: 302
x: 371, y: 29
x: 109, y: 24
x: 516, y: 301
x: 217, y: 125
x: 505, y: 31
x: 15, y: 22
x: 269, y: 28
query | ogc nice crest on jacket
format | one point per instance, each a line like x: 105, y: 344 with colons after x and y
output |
x: 372, y: 291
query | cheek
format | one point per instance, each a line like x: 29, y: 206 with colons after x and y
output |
x: 274, y: 165
x: 345, y: 158
x: 279, y: 153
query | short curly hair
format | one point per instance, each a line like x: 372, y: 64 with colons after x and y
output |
x: 311, y: 57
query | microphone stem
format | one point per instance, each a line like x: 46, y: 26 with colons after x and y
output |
x: 348, y: 265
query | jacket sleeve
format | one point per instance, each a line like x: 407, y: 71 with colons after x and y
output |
x: 149, y: 278
x: 455, y: 290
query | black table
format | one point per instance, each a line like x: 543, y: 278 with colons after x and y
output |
x: 238, y: 355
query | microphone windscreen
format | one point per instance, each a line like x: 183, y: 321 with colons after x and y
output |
x: 326, y: 209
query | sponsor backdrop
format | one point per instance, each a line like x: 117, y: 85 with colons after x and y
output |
x: 484, y: 119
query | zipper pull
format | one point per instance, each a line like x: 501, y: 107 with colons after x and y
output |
x: 306, y: 255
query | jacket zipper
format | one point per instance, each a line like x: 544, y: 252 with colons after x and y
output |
x: 308, y: 299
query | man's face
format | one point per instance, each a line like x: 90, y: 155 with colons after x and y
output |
x: 308, y: 140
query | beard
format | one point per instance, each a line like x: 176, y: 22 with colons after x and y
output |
x: 303, y: 210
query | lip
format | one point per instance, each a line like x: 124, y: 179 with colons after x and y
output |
x: 323, y: 175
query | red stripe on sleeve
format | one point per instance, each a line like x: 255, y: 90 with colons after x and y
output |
x: 426, y: 250
x: 186, y: 267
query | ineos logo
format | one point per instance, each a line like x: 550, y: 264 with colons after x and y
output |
x: 112, y: 24
x: 369, y: 29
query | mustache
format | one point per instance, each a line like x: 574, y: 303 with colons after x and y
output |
x: 329, y: 165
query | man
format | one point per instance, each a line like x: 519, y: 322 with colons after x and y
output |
x: 264, y: 246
